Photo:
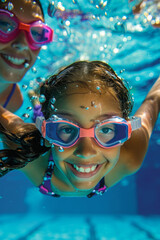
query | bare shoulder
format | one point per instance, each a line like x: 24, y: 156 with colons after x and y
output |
x: 35, y: 170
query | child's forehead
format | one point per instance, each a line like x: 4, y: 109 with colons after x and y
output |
x: 84, y: 86
x: 87, y: 106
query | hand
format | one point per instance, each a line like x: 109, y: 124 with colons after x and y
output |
x: 151, y: 11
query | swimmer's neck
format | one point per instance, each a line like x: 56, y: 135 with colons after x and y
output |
x: 5, y: 87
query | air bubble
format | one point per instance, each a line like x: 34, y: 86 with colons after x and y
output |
x: 92, y: 103
x: 26, y: 115
x: 119, y: 27
x: 55, y: 117
x: 42, y: 98
x: 10, y: 6
x: 115, y: 50
x: 61, y: 149
x: 53, y: 100
x: 29, y: 108
x: 52, y: 107
x: 34, y: 70
x: 26, y: 65
x: 24, y: 86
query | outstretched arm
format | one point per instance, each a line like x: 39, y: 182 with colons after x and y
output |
x: 8, y: 119
x: 151, y: 8
x: 133, y: 151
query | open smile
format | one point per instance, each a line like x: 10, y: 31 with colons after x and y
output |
x: 14, y: 62
x: 84, y: 171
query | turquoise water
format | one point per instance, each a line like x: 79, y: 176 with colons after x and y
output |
x: 131, y: 46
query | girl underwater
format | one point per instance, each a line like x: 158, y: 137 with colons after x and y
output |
x: 84, y: 147
x: 22, y: 33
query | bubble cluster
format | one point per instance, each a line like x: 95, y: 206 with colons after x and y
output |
x: 34, y: 97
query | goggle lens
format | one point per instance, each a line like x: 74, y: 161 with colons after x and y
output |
x: 111, y: 134
x: 64, y: 134
x: 40, y: 34
x: 105, y: 133
x: 7, y: 24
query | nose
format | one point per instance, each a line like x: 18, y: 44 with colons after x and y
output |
x: 85, y: 148
x: 20, y: 42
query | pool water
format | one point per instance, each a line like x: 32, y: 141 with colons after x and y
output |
x: 79, y: 227
x: 91, y: 30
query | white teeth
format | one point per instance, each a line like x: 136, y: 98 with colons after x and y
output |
x: 87, y: 170
x: 80, y: 169
x: 17, y: 61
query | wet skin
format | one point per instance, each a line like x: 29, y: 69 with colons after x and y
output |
x: 26, y: 12
x: 86, y: 152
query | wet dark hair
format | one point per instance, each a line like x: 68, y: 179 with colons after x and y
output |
x: 82, y: 73
x: 27, y: 136
x: 30, y: 145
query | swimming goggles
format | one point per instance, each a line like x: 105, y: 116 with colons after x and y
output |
x: 37, y: 33
x: 108, y: 133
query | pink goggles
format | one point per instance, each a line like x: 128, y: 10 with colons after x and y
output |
x: 108, y: 133
x: 37, y: 33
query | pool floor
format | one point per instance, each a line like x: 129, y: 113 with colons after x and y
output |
x: 79, y: 227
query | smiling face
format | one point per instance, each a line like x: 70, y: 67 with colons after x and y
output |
x: 14, y: 54
x: 85, y: 163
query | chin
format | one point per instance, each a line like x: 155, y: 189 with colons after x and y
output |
x: 85, y: 185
